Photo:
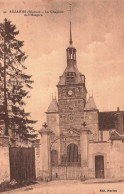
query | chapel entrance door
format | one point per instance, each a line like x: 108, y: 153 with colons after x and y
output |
x: 99, y: 166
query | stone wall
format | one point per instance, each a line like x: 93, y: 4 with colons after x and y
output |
x: 106, y: 135
x: 53, y: 122
x: 71, y: 108
x: 38, y: 160
x: 95, y: 149
x: 113, y: 153
x: 4, y: 159
x: 117, y: 159
x: 91, y: 119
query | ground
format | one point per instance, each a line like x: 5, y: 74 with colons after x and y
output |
x: 71, y: 187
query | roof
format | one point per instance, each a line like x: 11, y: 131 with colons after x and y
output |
x: 107, y: 120
x: 90, y: 105
x: 71, y: 68
x: 116, y: 136
x: 53, y: 107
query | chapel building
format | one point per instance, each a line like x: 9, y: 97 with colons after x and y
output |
x: 83, y: 141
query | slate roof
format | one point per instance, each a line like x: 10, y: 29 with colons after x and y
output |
x: 116, y: 136
x: 71, y: 68
x: 107, y: 120
x: 90, y: 105
x: 53, y: 107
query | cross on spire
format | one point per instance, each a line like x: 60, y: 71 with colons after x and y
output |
x: 70, y: 10
x: 70, y: 41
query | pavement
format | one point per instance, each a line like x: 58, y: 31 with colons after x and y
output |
x: 72, y: 187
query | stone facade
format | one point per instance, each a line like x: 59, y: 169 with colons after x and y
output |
x: 53, y: 121
x: 71, y: 109
x: 113, y: 153
x: 91, y: 119
x: 83, y: 139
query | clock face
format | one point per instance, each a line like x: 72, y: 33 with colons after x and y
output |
x: 70, y: 92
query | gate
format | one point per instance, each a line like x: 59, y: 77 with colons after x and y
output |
x: 22, y: 164
x: 66, y: 173
x: 68, y: 167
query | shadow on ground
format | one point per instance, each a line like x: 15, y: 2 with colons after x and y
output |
x: 6, y: 186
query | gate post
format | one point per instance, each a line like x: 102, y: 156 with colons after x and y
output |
x: 84, y: 146
x: 36, y: 146
x: 45, y: 133
x: 4, y: 159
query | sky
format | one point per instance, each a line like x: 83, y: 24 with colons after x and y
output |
x: 98, y: 35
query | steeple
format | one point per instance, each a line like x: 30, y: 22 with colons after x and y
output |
x: 90, y: 105
x: 53, y: 107
x: 70, y: 42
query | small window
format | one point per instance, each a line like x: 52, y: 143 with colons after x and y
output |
x: 70, y: 77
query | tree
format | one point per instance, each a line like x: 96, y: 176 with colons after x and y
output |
x: 15, y: 83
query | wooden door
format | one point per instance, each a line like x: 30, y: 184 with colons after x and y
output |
x: 99, y: 166
x: 22, y: 164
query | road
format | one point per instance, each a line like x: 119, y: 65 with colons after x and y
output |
x: 71, y: 187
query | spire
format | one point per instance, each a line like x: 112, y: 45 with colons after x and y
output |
x: 53, y: 107
x: 71, y: 50
x: 90, y: 105
x: 70, y: 35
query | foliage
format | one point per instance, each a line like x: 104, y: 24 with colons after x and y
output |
x: 14, y: 83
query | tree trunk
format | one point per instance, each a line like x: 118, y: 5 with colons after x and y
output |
x: 5, y: 95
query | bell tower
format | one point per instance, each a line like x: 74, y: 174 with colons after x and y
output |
x: 71, y: 93
x: 71, y: 51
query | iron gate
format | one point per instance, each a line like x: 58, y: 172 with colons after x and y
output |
x: 66, y: 173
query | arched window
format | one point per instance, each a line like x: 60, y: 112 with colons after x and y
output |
x: 72, y: 153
